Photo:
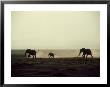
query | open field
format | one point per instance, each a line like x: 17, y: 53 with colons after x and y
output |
x: 57, y: 67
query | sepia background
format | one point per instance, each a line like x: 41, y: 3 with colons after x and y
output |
x: 61, y: 32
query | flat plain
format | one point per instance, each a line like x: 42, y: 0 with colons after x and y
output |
x: 54, y: 67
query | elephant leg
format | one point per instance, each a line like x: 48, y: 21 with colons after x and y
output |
x: 33, y: 56
x: 83, y: 56
x: 86, y: 55
x: 28, y: 55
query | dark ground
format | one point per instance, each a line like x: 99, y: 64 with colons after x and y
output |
x: 57, y: 67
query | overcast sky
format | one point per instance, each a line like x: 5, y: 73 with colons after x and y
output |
x: 55, y: 29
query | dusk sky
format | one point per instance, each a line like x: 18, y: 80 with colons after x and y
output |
x: 55, y: 29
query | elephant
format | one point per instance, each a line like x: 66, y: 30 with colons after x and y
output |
x: 51, y: 55
x: 85, y: 52
x: 30, y: 52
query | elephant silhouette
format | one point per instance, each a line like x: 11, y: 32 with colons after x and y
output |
x: 85, y: 52
x: 51, y: 55
x: 30, y: 52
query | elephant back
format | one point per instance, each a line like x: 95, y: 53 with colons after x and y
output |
x: 87, y: 51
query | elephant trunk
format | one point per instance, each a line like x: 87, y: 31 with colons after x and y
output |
x: 79, y: 53
x: 25, y: 53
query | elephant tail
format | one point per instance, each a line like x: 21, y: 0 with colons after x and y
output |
x: 91, y: 53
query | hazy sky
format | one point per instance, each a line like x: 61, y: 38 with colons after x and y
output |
x: 55, y: 29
